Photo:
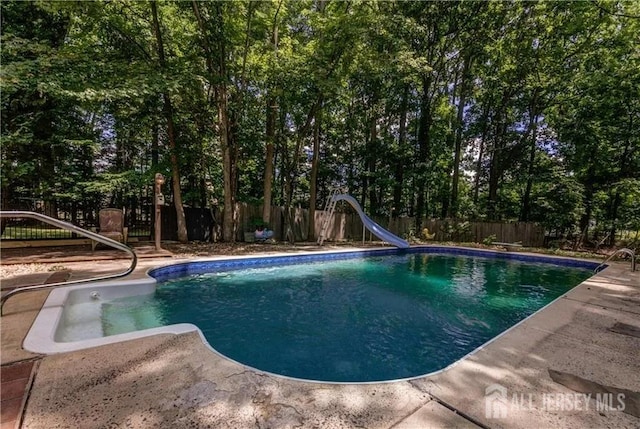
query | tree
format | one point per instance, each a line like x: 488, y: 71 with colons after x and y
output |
x: 597, y: 113
x: 168, y: 113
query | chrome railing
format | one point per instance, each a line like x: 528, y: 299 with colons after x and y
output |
x: 614, y: 254
x: 65, y: 225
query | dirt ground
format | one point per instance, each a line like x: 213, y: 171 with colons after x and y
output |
x: 29, y: 260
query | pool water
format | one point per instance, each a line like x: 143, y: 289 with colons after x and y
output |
x: 354, y: 320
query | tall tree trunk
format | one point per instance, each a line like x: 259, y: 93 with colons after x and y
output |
x: 372, y: 158
x: 219, y: 73
x: 292, y: 172
x: 424, y: 151
x: 155, y: 145
x: 624, y: 173
x: 365, y: 184
x: 228, y: 151
x: 400, y: 159
x: 526, y: 199
x: 45, y: 176
x: 589, y: 191
x: 168, y: 113
x: 272, y: 112
x: 369, y: 159
x: 313, y: 189
x: 481, y: 149
x: 351, y: 172
x: 288, y: 234
x: 229, y: 218
x: 282, y: 151
x: 175, y: 172
x: 615, y: 205
x: 444, y: 190
x: 457, y: 151
x: 496, y: 166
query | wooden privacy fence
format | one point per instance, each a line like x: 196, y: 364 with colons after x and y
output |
x: 248, y: 213
x: 348, y: 226
x: 204, y: 224
x: 529, y: 233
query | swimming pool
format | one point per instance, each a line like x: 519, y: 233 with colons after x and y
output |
x: 339, y: 317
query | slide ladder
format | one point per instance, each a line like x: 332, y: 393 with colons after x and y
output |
x: 329, y: 209
x: 376, y: 229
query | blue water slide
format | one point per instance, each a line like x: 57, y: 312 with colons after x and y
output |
x: 376, y: 229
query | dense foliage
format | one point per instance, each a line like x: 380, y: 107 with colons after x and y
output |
x: 473, y: 110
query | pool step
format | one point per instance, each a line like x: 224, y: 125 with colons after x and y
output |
x: 80, y: 323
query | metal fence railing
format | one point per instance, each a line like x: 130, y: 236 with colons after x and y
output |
x: 138, y: 219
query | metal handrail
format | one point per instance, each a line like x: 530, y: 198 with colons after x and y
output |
x: 623, y: 250
x: 65, y: 225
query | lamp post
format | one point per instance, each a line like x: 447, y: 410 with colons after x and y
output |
x: 159, y: 201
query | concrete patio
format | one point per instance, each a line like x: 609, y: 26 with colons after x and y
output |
x: 589, y: 336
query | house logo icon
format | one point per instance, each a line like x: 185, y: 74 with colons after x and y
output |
x: 495, y: 402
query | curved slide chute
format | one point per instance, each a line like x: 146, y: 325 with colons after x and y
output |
x: 376, y: 229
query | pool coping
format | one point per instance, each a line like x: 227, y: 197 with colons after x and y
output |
x: 41, y: 337
x: 203, y: 266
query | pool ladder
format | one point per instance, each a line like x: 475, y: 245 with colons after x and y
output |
x: 624, y: 251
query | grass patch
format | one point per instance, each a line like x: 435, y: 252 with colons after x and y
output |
x: 544, y: 251
x: 34, y: 232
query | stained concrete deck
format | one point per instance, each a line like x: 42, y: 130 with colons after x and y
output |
x: 176, y: 381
